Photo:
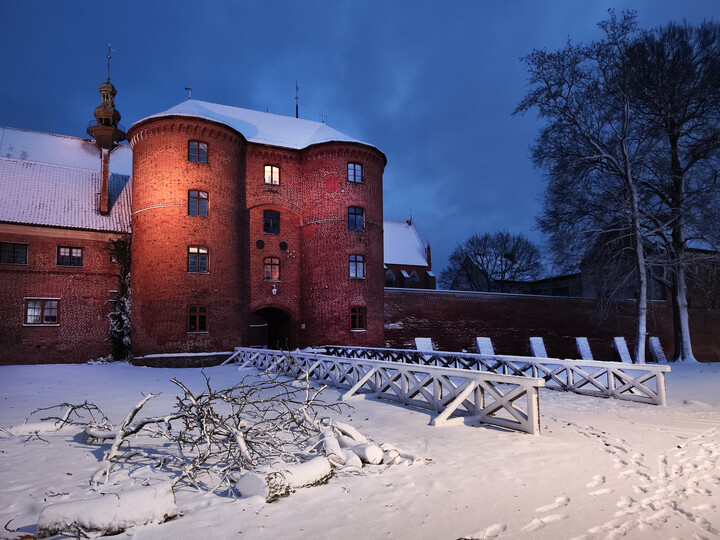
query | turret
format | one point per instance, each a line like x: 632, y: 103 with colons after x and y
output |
x: 107, y: 134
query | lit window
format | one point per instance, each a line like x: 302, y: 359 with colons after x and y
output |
x: 357, y: 266
x: 197, y: 151
x: 355, y: 172
x: 13, y: 253
x: 358, y: 317
x: 272, y: 175
x: 42, y: 311
x: 69, y: 256
x: 197, y: 319
x: 271, y: 266
x: 271, y: 221
x: 356, y: 218
x: 197, y: 259
x: 197, y: 203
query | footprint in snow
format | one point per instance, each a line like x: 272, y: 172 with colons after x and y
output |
x: 559, y: 503
x: 539, y: 523
x: 597, y: 480
x: 491, y: 532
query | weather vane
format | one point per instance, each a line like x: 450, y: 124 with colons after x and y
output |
x: 110, y: 50
x: 297, y: 111
x: 323, y: 114
x: 190, y: 89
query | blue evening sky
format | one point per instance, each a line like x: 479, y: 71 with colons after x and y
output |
x: 432, y: 84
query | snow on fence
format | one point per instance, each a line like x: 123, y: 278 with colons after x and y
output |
x: 643, y: 383
x: 488, y: 398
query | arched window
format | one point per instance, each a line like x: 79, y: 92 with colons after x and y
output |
x: 414, y: 280
x: 389, y: 278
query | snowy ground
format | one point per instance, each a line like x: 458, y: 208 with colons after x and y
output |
x: 601, y: 468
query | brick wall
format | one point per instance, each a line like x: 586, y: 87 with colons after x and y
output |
x: 454, y: 319
x: 162, y: 287
x: 83, y: 294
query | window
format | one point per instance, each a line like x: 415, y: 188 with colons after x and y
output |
x: 389, y: 278
x: 197, y: 319
x: 356, y: 218
x: 414, y: 280
x: 197, y: 203
x: 42, y: 311
x: 358, y: 316
x: 271, y: 222
x: 355, y: 172
x: 13, y: 253
x: 272, y: 268
x: 197, y: 151
x: 197, y: 259
x: 69, y: 256
x: 272, y: 175
x: 357, y: 266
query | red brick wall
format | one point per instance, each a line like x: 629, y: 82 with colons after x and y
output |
x: 162, y: 288
x: 84, y: 292
x: 453, y: 320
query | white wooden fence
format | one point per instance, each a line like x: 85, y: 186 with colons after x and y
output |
x: 501, y: 400
x: 644, y: 383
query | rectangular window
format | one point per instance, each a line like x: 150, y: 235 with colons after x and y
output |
x: 357, y: 266
x: 69, y: 256
x: 13, y: 253
x: 271, y: 267
x: 197, y: 151
x: 197, y: 319
x: 197, y: 203
x: 197, y: 259
x: 42, y: 311
x: 271, y: 222
x: 272, y: 175
x: 355, y: 172
x: 358, y: 316
x: 356, y: 218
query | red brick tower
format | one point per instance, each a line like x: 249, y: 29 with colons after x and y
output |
x: 253, y: 229
x: 189, y: 246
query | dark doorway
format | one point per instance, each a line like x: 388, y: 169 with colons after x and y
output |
x: 270, y: 329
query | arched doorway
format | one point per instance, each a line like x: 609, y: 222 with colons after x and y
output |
x: 270, y: 329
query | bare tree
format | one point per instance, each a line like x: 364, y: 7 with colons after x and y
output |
x: 675, y: 74
x: 493, y: 261
x: 594, y: 151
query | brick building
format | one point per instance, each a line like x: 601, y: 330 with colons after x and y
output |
x: 248, y: 228
x: 408, y: 263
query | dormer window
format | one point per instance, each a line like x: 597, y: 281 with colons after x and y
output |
x: 197, y: 151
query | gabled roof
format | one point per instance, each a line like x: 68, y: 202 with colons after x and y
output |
x: 259, y: 127
x: 53, y: 180
x: 402, y: 244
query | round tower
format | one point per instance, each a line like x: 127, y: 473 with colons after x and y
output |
x: 342, y: 245
x: 189, y: 249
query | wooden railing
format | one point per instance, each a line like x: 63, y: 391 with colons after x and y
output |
x: 644, y: 383
x: 500, y: 400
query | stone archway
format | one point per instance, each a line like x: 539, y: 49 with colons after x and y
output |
x: 270, y: 328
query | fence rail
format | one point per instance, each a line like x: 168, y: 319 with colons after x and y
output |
x: 507, y: 401
x: 643, y: 383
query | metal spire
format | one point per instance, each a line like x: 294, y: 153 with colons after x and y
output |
x: 190, y: 90
x: 297, y: 110
x: 110, y: 50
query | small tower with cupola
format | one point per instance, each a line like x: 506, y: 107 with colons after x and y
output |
x: 107, y: 133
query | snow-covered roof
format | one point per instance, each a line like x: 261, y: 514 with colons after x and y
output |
x: 54, y: 180
x: 402, y: 244
x: 63, y: 150
x: 260, y: 127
